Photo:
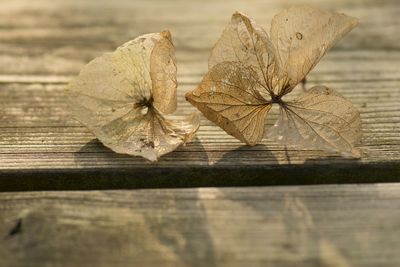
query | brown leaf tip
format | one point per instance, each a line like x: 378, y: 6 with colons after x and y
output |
x: 166, y: 34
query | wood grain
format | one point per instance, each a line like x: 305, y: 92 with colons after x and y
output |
x: 44, y: 44
x: 324, y: 225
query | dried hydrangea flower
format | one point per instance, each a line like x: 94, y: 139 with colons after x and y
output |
x: 122, y: 96
x: 250, y: 71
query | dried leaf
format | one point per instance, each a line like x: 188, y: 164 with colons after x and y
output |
x: 244, y: 41
x: 319, y: 118
x: 229, y: 96
x: 249, y: 72
x: 302, y: 35
x: 120, y: 97
x: 163, y: 74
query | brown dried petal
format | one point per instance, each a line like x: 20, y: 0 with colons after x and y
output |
x: 229, y: 96
x: 244, y: 41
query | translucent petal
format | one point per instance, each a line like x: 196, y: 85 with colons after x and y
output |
x: 150, y: 135
x: 100, y: 93
x: 319, y: 119
x: 163, y: 74
x: 302, y: 35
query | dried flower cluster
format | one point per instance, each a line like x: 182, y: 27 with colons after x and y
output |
x: 122, y: 96
x: 250, y: 71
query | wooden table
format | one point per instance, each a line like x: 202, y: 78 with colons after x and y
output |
x: 43, y: 44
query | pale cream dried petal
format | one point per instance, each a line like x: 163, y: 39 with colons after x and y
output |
x: 229, y: 96
x: 101, y: 94
x: 132, y: 61
x: 148, y: 63
x: 163, y: 74
x: 301, y: 36
x: 244, y: 41
x: 113, y: 97
x: 150, y: 135
x: 319, y: 119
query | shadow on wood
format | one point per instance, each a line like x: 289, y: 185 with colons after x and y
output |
x: 325, y: 225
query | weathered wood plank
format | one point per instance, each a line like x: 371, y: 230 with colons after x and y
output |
x: 58, y: 38
x: 346, y: 225
x: 44, y: 44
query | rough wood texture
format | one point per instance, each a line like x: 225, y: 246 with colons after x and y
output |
x: 43, y: 44
x: 323, y: 225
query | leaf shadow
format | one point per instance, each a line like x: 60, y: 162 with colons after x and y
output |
x: 95, y: 153
x: 296, y: 222
x: 247, y: 156
x: 192, y: 241
x: 332, y: 160
x: 139, y: 227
